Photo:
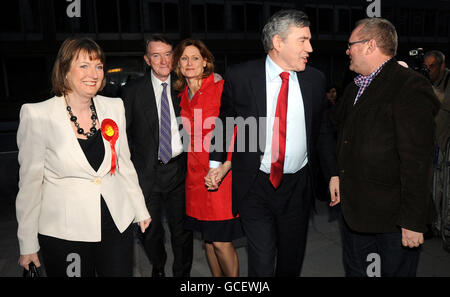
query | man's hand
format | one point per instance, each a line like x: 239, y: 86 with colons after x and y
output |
x: 334, y: 191
x: 216, y: 175
x: 411, y: 238
x: 210, y: 179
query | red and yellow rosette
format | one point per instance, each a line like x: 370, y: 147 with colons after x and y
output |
x: 110, y: 132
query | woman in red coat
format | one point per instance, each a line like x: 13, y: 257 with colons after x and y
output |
x: 208, y: 212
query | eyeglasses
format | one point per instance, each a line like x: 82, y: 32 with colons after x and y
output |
x: 349, y: 45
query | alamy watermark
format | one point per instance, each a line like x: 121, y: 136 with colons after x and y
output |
x: 374, y: 268
x: 74, y: 9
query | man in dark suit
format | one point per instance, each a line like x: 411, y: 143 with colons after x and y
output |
x: 151, y: 107
x: 273, y: 182
x: 385, y: 156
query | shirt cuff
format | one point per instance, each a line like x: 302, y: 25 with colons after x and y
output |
x: 214, y: 164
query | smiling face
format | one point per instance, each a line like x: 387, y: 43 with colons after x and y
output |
x: 292, y: 52
x: 159, y: 58
x: 192, y: 63
x: 85, y: 75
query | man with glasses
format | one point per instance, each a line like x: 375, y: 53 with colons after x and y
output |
x: 385, y: 155
x: 439, y: 74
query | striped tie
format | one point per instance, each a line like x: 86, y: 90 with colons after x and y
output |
x: 165, y: 136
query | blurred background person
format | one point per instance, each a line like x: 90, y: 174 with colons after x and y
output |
x: 439, y: 75
x: 209, y: 212
x: 332, y: 94
x: 73, y: 198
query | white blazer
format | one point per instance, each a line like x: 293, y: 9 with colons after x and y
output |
x: 59, y: 192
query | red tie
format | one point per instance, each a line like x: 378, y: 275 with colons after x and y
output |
x: 279, y: 135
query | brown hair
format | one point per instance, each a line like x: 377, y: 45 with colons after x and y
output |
x: 382, y: 31
x: 69, y: 50
x: 180, y: 83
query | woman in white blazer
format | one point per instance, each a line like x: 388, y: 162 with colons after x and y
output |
x: 78, y: 190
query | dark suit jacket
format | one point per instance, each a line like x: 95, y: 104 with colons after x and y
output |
x: 244, y: 95
x: 385, y: 151
x: 143, y: 128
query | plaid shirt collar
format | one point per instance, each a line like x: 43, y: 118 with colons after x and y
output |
x: 364, y: 81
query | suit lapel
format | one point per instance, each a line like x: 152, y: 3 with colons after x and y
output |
x: 149, y: 108
x: 75, y: 150
x: 307, y: 96
x: 258, y: 85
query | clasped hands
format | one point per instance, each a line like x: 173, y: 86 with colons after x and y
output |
x: 216, y: 175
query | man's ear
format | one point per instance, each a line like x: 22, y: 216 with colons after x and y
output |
x: 372, y: 46
x: 277, y: 42
x: 147, y: 60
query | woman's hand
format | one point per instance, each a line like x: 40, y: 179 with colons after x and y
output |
x: 25, y: 260
x: 144, y: 224
x: 216, y: 175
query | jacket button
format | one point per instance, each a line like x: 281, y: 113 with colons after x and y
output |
x: 97, y: 181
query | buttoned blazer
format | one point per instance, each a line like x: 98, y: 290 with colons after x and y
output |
x: 59, y: 191
x: 244, y: 95
x: 143, y: 129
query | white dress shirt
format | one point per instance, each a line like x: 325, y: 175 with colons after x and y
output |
x: 296, y: 153
x: 296, y: 156
x: 177, y: 146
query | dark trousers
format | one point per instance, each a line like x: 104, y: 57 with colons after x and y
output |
x: 111, y: 257
x: 276, y: 224
x: 394, y: 259
x: 168, y: 196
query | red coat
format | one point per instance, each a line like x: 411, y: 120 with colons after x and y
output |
x: 204, y: 108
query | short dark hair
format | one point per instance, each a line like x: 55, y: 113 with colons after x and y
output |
x: 180, y: 84
x: 440, y: 57
x: 382, y: 31
x: 279, y: 24
x: 69, y: 50
x: 156, y: 38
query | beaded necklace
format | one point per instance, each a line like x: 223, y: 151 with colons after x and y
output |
x: 93, y: 117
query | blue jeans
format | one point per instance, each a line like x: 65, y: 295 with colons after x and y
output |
x: 362, y: 251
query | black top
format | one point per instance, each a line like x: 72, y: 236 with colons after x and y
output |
x: 94, y: 150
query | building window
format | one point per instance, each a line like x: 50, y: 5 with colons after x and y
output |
x: 311, y: 12
x: 417, y: 22
x: 430, y: 23
x: 344, y: 21
x: 254, y: 13
x: 403, y: 22
x: 107, y: 16
x: 237, y: 18
x: 32, y: 84
x: 153, y: 17
x: 356, y: 15
x: 444, y: 23
x: 326, y: 19
x: 215, y: 17
x: 130, y: 16
x: 10, y: 17
x: 171, y: 17
x: 198, y: 18
x: 31, y: 16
